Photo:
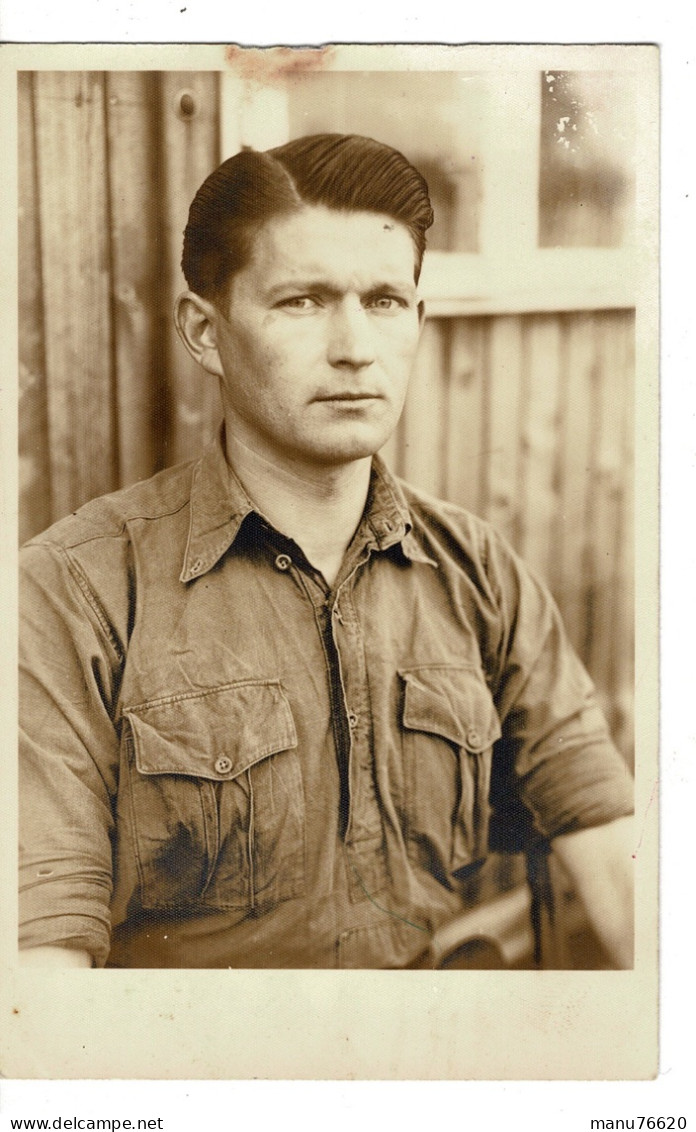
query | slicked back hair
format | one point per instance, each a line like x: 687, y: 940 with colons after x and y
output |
x: 340, y: 171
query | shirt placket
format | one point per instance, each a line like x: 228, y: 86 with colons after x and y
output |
x: 364, y: 823
x: 339, y: 627
x: 364, y: 835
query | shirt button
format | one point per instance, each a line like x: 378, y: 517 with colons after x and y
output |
x: 283, y: 562
x: 473, y: 737
x: 223, y: 765
x: 352, y: 720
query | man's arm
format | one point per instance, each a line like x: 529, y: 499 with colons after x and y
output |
x: 68, y: 760
x: 54, y: 957
x: 599, y: 862
x: 570, y: 775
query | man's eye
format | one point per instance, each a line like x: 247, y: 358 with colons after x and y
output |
x: 385, y: 302
x: 298, y: 303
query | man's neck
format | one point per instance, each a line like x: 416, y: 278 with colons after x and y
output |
x: 319, y: 508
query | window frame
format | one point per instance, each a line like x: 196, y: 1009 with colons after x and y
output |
x: 510, y: 273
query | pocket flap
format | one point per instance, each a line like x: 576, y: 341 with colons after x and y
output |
x: 217, y: 733
x: 451, y: 702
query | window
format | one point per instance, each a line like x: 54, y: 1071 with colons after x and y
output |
x: 531, y: 170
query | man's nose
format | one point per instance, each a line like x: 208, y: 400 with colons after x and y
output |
x: 351, y: 335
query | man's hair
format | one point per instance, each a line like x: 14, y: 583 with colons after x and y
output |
x: 340, y: 171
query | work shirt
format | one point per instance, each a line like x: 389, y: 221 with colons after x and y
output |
x: 228, y: 763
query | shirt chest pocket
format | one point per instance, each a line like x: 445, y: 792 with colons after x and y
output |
x: 449, y: 727
x: 217, y: 798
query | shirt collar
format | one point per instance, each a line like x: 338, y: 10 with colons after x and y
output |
x: 388, y: 517
x: 219, y: 506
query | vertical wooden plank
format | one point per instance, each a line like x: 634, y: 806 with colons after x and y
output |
x: 231, y: 92
x: 577, y: 425
x: 590, y: 571
x: 624, y: 726
x: 75, y: 270
x: 421, y: 429
x: 34, y: 468
x: 463, y: 420
x: 134, y: 230
x: 608, y: 489
x: 265, y: 115
x: 253, y: 112
x: 188, y: 113
x: 502, y: 441
x: 539, y: 443
x: 510, y: 161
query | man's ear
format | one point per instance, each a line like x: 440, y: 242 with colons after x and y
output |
x: 196, y: 322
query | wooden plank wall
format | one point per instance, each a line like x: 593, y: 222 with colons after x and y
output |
x: 527, y: 420
x: 108, y: 164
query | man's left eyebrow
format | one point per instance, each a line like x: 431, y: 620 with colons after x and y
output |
x: 393, y: 286
x: 307, y: 285
x: 404, y: 290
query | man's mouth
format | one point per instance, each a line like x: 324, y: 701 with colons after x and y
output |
x: 350, y: 396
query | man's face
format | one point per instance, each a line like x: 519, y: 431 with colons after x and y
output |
x: 318, y: 337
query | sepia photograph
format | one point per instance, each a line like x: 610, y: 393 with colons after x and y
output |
x: 337, y: 475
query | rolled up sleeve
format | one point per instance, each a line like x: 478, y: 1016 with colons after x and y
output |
x: 555, y: 738
x: 68, y: 756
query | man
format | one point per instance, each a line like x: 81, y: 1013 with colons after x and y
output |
x: 274, y: 700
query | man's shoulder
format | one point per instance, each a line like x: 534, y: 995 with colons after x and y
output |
x: 431, y: 514
x: 466, y: 544
x: 109, y: 516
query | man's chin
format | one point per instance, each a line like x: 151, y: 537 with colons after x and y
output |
x: 359, y: 444
x: 349, y: 453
